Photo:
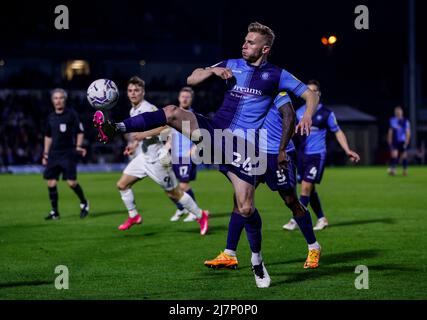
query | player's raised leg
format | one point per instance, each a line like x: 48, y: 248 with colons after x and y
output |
x: 124, y: 185
x: 170, y: 115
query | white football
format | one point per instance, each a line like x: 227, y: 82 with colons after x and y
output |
x: 102, y: 94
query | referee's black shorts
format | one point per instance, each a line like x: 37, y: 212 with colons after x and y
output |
x: 67, y: 166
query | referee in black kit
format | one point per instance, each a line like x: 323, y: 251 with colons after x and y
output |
x: 62, y: 147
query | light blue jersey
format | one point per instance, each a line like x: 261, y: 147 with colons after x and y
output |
x: 399, y: 127
x: 273, y: 125
x: 251, y: 93
x: 322, y: 121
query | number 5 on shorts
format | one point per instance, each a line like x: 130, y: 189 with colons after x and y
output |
x: 281, y: 177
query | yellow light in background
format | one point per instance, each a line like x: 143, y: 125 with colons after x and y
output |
x: 325, y: 41
x: 76, y: 67
x: 142, y: 63
x: 2, y: 62
x: 78, y: 64
x: 332, y: 39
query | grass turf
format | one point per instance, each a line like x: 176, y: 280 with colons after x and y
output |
x: 376, y: 220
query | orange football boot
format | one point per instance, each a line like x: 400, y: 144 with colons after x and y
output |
x: 223, y: 260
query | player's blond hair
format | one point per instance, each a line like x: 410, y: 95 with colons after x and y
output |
x: 263, y: 30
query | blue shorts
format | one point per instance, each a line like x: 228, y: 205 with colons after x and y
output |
x: 279, y: 179
x: 185, y: 172
x: 310, y: 167
x: 399, y: 146
x: 236, y: 163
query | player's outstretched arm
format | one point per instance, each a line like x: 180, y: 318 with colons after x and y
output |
x: 288, y: 124
x: 311, y: 101
x: 199, y: 75
x: 342, y: 140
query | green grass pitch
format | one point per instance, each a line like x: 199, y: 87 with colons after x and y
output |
x: 376, y: 220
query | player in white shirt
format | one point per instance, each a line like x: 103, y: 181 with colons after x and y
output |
x: 153, y: 161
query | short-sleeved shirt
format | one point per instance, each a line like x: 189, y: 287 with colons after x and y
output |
x: 251, y: 92
x: 63, y: 129
x: 322, y: 121
x: 399, y: 127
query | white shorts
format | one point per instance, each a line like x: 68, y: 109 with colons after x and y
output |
x: 164, y: 176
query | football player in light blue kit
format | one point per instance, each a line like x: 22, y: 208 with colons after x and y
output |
x: 312, y: 154
x: 398, y: 137
x: 281, y: 169
x: 183, y: 166
x: 253, y: 84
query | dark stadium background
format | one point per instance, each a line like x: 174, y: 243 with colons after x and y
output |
x: 162, y: 41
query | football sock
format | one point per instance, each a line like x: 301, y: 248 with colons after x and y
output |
x: 230, y: 252
x: 129, y: 202
x: 393, y: 163
x: 315, y: 204
x: 235, y: 227
x: 315, y: 245
x: 179, y: 206
x: 188, y: 203
x: 253, y: 225
x: 144, y: 122
x: 256, y: 258
x: 79, y: 192
x: 304, y: 200
x: 53, y: 196
x: 191, y: 193
x: 306, y: 227
x: 405, y: 163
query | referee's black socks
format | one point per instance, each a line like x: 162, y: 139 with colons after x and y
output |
x: 79, y: 192
x: 53, y: 196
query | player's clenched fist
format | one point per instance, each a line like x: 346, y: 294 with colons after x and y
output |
x: 223, y: 73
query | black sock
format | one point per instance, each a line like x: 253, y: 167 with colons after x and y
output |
x: 79, y: 192
x: 53, y: 196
